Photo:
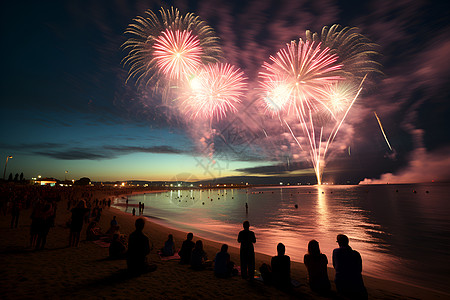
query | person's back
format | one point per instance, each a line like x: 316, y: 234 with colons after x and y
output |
x: 198, y: 256
x: 169, y: 247
x: 186, y: 250
x: 222, y: 264
x: 138, y: 248
x: 348, y: 265
x: 316, y: 264
x: 247, y: 253
x: 116, y: 248
x: 281, y: 268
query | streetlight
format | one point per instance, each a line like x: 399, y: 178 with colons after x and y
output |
x: 4, y: 172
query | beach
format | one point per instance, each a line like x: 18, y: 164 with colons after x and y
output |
x: 60, y: 271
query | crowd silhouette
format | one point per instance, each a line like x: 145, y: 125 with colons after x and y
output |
x: 135, y: 248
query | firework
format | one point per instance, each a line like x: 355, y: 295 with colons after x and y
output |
x: 297, y: 75
x: 214, y: 91
x: 355, y: 51
x: 316, y: 81
x: 177, y: 53
x: 168, y: 46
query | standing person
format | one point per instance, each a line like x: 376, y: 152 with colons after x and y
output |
x: 15, y: 212
x: 348, y: 265
x: 45, y: 217
x: 138, y: 249
x: 247, y: 252
x: 316, y: 264
x: 281, y: 268
x: 142, y: 208
x: 78, y: 214
x: 186, y: 249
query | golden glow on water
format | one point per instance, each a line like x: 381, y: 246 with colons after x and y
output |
x: 392, y: 230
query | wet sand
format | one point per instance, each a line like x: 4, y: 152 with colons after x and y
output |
x: 84, y: 272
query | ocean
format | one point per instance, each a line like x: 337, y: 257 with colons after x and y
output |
x: 401, y: 231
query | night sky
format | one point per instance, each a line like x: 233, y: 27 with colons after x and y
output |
x: 66, y: 107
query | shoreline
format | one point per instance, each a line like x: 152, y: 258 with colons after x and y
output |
x: 63, y: 272
x: 371, y: 282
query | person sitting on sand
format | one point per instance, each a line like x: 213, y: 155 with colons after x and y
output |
x: 93, y: 232
x: 247, y: 252
x: 117, y: 249
x: 199, y: 259
x: 169, y: 247
x: 113, y: 226
x: 223, y: 267
x: 138, y: 249
x: 281, y: 268
x: 316, y: 264
x: 348, y: 265
x: 186, y: 249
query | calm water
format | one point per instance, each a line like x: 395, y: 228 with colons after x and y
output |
x: 401, y: 235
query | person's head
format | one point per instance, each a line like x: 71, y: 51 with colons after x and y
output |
x: 170, y: 238
x: 224, y: 248
x: 281, y: 249
x: 246, y: 224
x: 199, y: 245
x: 139, y: 224
x: 190, y: 236
x: 115, y: 237
x: 342, y: 240
x: 114, y: 217
x: 313, y: 247
x: 82, y: 204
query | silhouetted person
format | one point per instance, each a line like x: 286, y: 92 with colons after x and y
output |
x: 78, y: 214
x: 246, y: 208
x: 45, y: 222
x: 223, y: 267
x: 281, y: 268
x: 198, y: 257
x: 316, y: 264
x: 15, y: 213
x: 134, y: 211
x: 93, y: 232
x: 186, y: 249
x: 247, y: 252
x: 169, y: 247
x: 348, y: 265
x: 117, y: 249
x: 138, y: 249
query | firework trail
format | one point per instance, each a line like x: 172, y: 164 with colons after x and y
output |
x: 168, y: 46
x: 316, y: 80
x: 382, y: 130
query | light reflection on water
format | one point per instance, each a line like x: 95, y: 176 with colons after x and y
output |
x: 393, y: 228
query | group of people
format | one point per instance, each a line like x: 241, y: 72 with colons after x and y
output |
x: 346, y: 262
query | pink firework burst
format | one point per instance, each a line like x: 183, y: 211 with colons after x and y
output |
x: 214, y: 91
x: 296, y: 76
x: 177, y: 53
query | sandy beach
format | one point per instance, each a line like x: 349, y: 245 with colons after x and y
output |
x: 85, y: 272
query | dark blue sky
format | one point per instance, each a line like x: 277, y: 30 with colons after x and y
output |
x: 65, y: 104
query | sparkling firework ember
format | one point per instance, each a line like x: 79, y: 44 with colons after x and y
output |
x: 177, y: 53
x: 314, y: 80
x: 170, y: 46
x: 214, y: 91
